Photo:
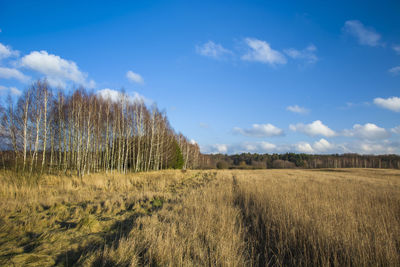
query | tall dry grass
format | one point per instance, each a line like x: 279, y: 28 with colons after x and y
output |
x: 321, y: 218
x: 203, y: 229
x: 196, y: 218
x: 60, y: 220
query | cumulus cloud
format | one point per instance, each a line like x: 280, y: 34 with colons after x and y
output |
x: 110, y: 94
x: 313, y: 129
x: 365, y: 36
x: 267, y: 146
x: 7, y: 51
x: 218, y: 149
x: 391, y: 103
x: 115, y: 96
x: 9, y: 73
x: 396, y: 49
x: 134, y: 77
x: 252, y: 147
x: 297, y: 109
x: 367, y: 131
x: 58, y: 71
x: 322, y: 145
x: 261, y: 51
x: 304, y: 147
x: 395, y: 70
x: 257, y: 147
x: 364, y: 146
x: 376, y: 148
x: 260, y: 130
x: 211, y: 49
x: 307, y: 54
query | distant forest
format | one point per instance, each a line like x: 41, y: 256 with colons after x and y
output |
x: 82, y: 132
x: 293, y: 160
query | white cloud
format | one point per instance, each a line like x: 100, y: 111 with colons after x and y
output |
x: 369, y: 147
x: 304, y: 147
x: 7, y: 51
x: 367, y: 131
x: 376, y: 148
x: 396, y: 130
x: 322, y: 145
x: 313, y: 129
x: 215, y: 149
x: 252, y: 147
x: 58, y: 71
x: 110, y: 94
x: 297, y: 109
x: 138, y: 97
x: 260, y: 130
x: 211, y: 49
x: 365, y: 36
x: 8, y: 73
x: 395, y: 70
x: 221, y: 148
x: 134, y: 77
x: 12, y: 90
x: 307, y: 54
x: 15, y: 91
x: 193, y: 142
x: 267, y: 146
x: 396, y: 48
x: 391, y: 103
x: 115, y: 96
x: 257, y: 147
x: 261, y: 51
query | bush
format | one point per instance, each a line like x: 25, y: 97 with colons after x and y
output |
x: 222, y: 164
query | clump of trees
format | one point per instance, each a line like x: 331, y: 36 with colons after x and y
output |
x: 83, y: 132
x: 293, y: 160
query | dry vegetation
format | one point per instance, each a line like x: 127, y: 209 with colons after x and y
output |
x: 226, y: 218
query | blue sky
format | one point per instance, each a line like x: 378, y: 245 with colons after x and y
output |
x: 234, y: 76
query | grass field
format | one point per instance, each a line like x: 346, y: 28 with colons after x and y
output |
x: 338, y: 217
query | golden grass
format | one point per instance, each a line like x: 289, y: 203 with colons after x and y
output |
x: 216, y: 218
x: 341, y: 218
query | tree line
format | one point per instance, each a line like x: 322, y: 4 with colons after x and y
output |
x: 294, y: 160
x: 47, y: 130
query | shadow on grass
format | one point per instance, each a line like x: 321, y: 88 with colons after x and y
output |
x: 118, y: 230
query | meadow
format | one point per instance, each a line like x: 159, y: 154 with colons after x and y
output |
x: 338, y: 217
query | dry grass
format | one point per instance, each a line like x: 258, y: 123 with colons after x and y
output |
x: 341, y: 218
x: 225, y: 218
x: 62, y: 220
